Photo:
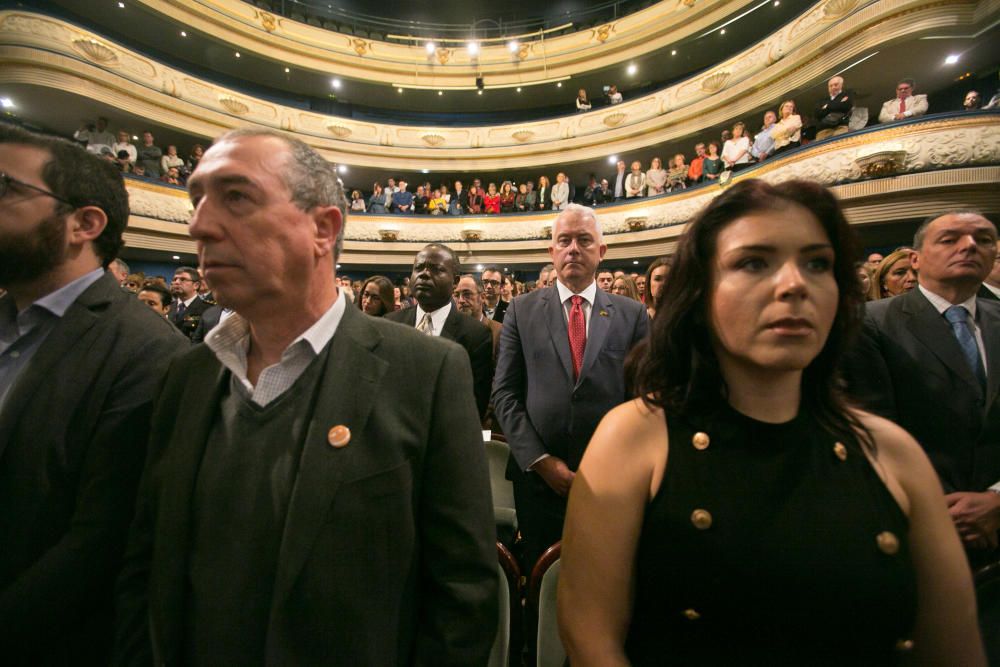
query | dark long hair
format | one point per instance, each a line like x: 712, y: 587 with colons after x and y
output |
x: 677, y: 369
x: 385, y: 292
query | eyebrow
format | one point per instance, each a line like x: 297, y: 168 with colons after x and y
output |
x: 221, y: 181
x: 760, y: 247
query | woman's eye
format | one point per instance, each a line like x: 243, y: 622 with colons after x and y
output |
x: 819, y: 264
x: 752, y: 264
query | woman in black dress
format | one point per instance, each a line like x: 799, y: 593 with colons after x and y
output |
x: 740, y: 513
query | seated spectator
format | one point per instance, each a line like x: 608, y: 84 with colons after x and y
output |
x: 787, y: 133
x: 712, y: 164
x: 696, y: 170
x: 459, y: 202
x: 420, y: 201
x: 437, y: 205
x: 402, y: 200
x: 123, y: 162
x: 894, y: 275
x: 763, y: 143
x: 491, y: 200
x: 635, y: 184
x: 475, y: 201
x: 376, y: 203
x: 445, y: 194
x: 736, y: 151
x: 521, y: 200
x: 834, y: 112
x: 544, y: 193
x: 904, y: 105
x: 530, y: 197
x: 592, y: 194
x: 123, y: 144
x: 582, y: 103
x: 677, y: 175
x: 560, y: 192
x: 94, y: 136
x: 148, y: 156
x: 972, y: 101
x: 656, y: 178
x: 507, y: 197
x: 194, y: 157
x: 357, y: 202
x: 614, y: 97
x: 625, y: 286
x: 172, y: 177
x: 170, y: 159
x: 378, y: 296
x: 607, y: 195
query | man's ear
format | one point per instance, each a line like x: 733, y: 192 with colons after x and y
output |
x: 87, y: 223
x: 914, y: 260
x: 329, y: 226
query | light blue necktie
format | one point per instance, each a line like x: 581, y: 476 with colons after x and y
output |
x: 958, y: 317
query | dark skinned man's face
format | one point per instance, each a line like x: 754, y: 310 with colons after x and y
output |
x: 433, y: 278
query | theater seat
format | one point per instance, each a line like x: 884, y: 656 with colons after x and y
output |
x: 987, y: 581
x: 510, y: 606
x: 503, y: 491
x: 858, y: 119
x: 544, y: 582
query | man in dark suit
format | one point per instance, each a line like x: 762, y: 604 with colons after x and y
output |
x: 560, y: 368
x: 435, y: 273
x: 990, y: 289
x: 494, y: 307
x: 80, y: 361
x: 317, y: 489
x: 209, y: 320
x: 929, y: 360
x: 833, y: 112
x: 188, y: 307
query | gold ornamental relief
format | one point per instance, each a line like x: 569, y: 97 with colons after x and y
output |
x: 835, y: 9
x: 443, y: 55
x: 714, y: 82
x: 267, y: 21
x: 339, y: 131
x: 96, y: 51
x: 687, y: 3
x: 522, y: 135
x: 523, y: 50
x: 433, y: 140
x: 615, y: 119
x: 361, y: 47
x: 603, y: 32
x: 234, y: 105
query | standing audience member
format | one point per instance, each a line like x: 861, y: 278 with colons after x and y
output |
x: 834, y: 113
x: 170, y: 160
x: 929, y: 360
x: 435, y: 274
x: 972, y: 101
x: 124, y: 144
x: 402, y: 199
x: 95, y: 136
x: 531, y: 196
x: 991, y: 286
x: 492, y: 282
x: 656, y: 279
x: 148, y: 156
x: 560, y: 193
x: 544, y: 194
x: 194, y: 157
x: 736, y: 151
x: 521, y: 199
x: 763, y: 143
x: 656, y: 178
x: 468, y: 296
x: 420, y: 201
x: 582, y: 103
x: 894, y: 275
x: 377, y: 202
x: 560, y: 368
x: 614, y: 97
x: 507, y: 197
x: 357, y: 202
x: 491, y: 200
x: 712, y: 164
x: 81, y: 361
x: 625, y: 286
x: 474, y: 202
x: 741, y: 443
x: 635, y: 184
x: 677, y: 175
x: 787, y: 133
x: 348, y: 532
x: 696, y: 170
x: 119, y: 269
x: 605, y: 278
x: 157, y: 297
x: 620, y: 177
x: 187, y: 308
x: 377, y: 297
x: 904, y: 105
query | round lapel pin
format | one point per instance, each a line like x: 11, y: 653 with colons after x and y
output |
x: 339, y: 436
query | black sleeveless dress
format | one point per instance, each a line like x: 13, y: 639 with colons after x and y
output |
x: 770, y: 544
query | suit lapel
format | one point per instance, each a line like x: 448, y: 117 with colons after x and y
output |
x: 601, y: 315
x: 344, y: 397
x: 452, y: 329
x: 931, y: 329
x: 63, y: 338
x: 989, y: 325
x: 558, y: 333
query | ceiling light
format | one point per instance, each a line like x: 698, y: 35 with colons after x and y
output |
x: 135, y: 138
x: 479, y: 267
x: 121, y: 5
x: 513, y: 46
x: 431, y: 47
x: 6, y: 103
x: 673, y: 52
x: 722, y: 32
x: 559, y: 85
x: 519, y: 89
x: 473, y: 48
x: 440, y: 92
x: 335, y: 83
x: 287, y: 70
x: 342, y: 168
x: 635, y: 261
x: 479, y: 92
x: 338, y: 266
x: 399, y: 90
x: 632, y: 69
x: 777, y: 2
x: 425, y: 171
x: 237, y: 54
x: 612, y: 159
x: 951, y: 60
x: 177, y: 256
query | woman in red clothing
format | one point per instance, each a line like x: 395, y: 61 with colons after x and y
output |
x: 491, y: 200
x: 507, y: 196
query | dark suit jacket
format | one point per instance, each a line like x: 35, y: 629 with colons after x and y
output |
x: 500, y: 312
x: 541, y: 409
x: 387, y: 555
x: 188, y: 323
x: 208, y: 321
x: 473, y: 336
x: 908, y: 367
x: 985, y: 293
x: 544, y: 199
x: 842, y: 103
x: 73, y: 433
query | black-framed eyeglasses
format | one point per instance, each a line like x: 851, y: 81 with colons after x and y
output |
x: 5, y: 183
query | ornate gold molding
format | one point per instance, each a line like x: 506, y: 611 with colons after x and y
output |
x: 946, y: 162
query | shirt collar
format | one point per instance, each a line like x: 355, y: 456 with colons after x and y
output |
x: 942, y: 304
x: 59, y: 301
x: 438, y: 316
x: 995, y: 290
x: 589, y: 293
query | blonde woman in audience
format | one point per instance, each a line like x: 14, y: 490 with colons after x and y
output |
x: 894, y: 275
x: 357, y: 202
x: 736, y: 151
x: 170, y: 159
x: 787, y: 132
x: 635, y: 182
x: 437, y: 204
x: 582, y: 103
x: 677, y: 176
x: 625, y: 286
x: 656, y: 178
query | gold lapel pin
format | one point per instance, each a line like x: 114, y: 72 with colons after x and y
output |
x: 339, y: 436
x: 604, y: 313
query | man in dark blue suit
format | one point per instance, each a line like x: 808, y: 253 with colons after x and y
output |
x: 560, y: 368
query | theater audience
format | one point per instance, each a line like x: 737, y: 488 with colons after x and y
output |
x: 474, y: 202
x: 438, y: 204
x: 865, y: 277
x: 656, y: 178
x: 712, y: 164
x: 833, y: 113
x: 787, y: 133
x: 420, y: 201
x: 377, y: 297
x: 677, y: 175
x: 156, y: 297
x: 736, y: 151
x: 972, y: 101
x: 593, y: 195
x: 521, y: 198
x: 357, y: 202
x: 187, y: 308
x: 81, y: 361
x: 494, y: 306
x: 763, y: 143
x: 614, y: 97
x: 635, y: 184
x: 148, y: 157
x: 170, y: 159
x: 459, y: 202
x: 560, y: 192
x: 508, y: 197
x: 491, y: 200
x: 194, y: 157
x: 894, y: 275
x: 468, y: 295
x: 95, y: 136
x: 531, y: 196
x: 134, y: 282
x: 582, y: 103
x: 625, y: 286
x: 640, y: 286
x: 119, y: 269
x: 544, y: 194
x: 741, y: 443
x: 991, y: 286
x: 696, y: 170
x: 124, y: 144
x: 904, y: 105
x: 172, y: 177
x: 655, y: 280
x: 619, y: 180
x: 604, y: 279
x: 402, y: 199
x: 377, y: 202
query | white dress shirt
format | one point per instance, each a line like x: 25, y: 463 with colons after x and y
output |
x: 230, y: 341
x: 438, y: 317
x: 588, y: 294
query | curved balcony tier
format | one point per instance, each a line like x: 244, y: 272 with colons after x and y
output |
x: 891, y: 173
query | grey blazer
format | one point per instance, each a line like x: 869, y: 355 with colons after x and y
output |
x: 541, y: 409
x: 908, y: 367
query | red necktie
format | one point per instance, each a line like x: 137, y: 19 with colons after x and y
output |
x: 902, y: 105
x: 577, y: 333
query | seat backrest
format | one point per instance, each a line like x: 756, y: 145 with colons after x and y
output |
x: 500, y: 655
x: 503, y: 490
x: 549, y: 649
x: 858, y: 119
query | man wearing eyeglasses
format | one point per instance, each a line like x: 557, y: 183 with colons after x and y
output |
x: 187, y: 308
x: 904, y: 105
x: 80, y: 361
x: 493, y: 306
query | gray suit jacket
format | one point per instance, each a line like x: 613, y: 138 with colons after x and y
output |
x: 388, y: 551
x: 73, y: 433
x: 541, y: 409
x: 908, y: 367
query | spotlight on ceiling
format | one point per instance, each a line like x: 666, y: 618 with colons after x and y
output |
x: 121, y: 5
x: 287, y: 70
x: 635, y: 261
x: 632, y: 69
x: 473, y: 48
x: 237, y: 54
x: 342, y: 168
x: 519, y: 89
x: 612, y: 159
x: 183, y: 34
x: 722, y: 32
x: 512, y: 46
x: 6, y: 103
x: 425, y: 171
x: 559, y: 85
x: 673, y: 52
x: 951, y: 60
x: 440, y: 92
x: 335, y: 83
x: 177, y: 256
x: 431, y: 47
x: 399, y: 90
x: 479, y: 92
